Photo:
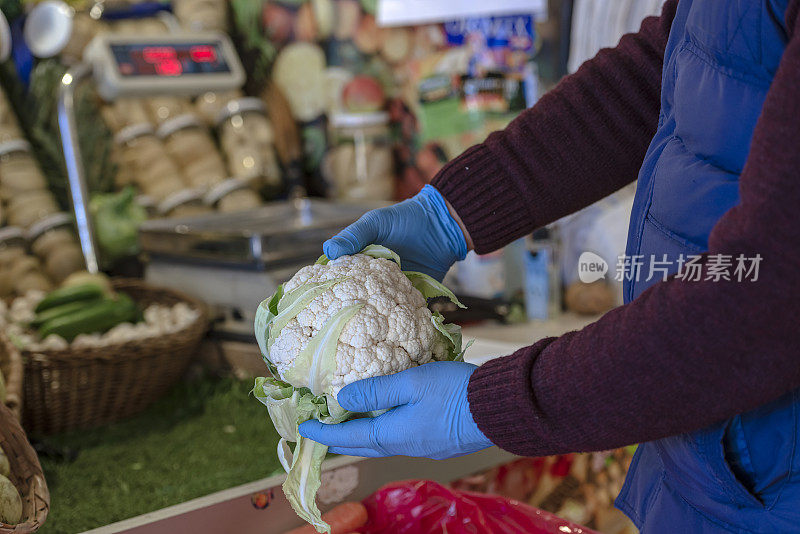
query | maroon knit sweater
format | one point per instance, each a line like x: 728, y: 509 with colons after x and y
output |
x: 684, y: 354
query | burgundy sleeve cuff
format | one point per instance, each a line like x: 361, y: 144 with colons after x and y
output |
x: 489, y: 204
x: 503, y: 405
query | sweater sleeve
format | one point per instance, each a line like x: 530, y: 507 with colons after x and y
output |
x: 581, y: 142
x: 684, y: 354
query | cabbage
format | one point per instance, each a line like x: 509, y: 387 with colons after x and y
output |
x: 117, y: 217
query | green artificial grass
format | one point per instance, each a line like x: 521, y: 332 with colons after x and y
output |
x: 204, y: 436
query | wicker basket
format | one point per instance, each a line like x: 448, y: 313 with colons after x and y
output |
x: 85, y: 388
x: 11, y: 367
x: 26, y: 475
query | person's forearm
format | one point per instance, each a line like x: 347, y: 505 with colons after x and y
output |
x: 684, y: 354
x: 582, y: 141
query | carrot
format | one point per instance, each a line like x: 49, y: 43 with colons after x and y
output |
x: 343, y: 519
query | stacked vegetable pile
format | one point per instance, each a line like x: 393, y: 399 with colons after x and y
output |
x: 333, y: 323
x: 33, y: 215
x: 86, y: 312
x: 165, y: 148
x: 82, y: 309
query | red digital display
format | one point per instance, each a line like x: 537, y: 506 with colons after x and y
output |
x: 203, y: 54
x: 169, y: 67
x: 169, y: 59
x: 157, y: 54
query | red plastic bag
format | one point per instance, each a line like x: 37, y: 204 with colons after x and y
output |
x: 426, y: 507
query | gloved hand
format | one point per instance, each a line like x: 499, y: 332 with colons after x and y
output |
x: 428, y: 415
x: 420, y: 229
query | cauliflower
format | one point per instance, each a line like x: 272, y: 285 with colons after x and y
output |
x: 391, y: 331
x: 333, y: 323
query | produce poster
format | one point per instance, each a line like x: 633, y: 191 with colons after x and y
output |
x: 445, y: 85
x: 408, y: 12
x: 478, y: 84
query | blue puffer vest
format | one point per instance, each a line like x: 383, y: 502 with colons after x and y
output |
x: 742, y: 475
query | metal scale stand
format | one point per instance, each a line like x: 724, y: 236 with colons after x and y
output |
x: 120, y: 67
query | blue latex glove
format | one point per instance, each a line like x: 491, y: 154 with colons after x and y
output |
x: 428, y: 415
x: 420, y: 229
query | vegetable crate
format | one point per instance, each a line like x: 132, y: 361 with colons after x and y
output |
x: 26, y: 475
x: 93, y: 386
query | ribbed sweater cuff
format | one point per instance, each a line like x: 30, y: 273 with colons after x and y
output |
x: 503, y: 405
x: 488, y: 203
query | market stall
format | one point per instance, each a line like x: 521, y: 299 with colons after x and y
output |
x: 165, y: 167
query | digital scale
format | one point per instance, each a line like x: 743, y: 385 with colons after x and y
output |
x: 176, y: 64
x: 170, y: 64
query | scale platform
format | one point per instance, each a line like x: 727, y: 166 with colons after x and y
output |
x: 233, y: 261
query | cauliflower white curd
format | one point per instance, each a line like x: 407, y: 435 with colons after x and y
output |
x: 393, y: 331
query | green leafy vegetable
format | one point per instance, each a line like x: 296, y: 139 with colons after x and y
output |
x: 378, y: 251
x: 288, y: 407
x: 316, y: 363
x: 256, y: 50
x: 303, y: 481
x: 452, y: 332
x: 39, y: 118
x: 430, y: 288
x: 117, y: 218
x: 265, y: 314
x: 370, y: 6
x: 281, y: 401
